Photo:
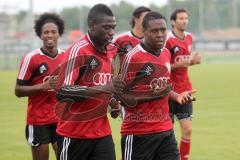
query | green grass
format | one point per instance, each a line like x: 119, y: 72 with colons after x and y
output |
x: 216, y: 128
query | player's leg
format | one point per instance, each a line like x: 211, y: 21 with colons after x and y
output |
x: 167, y: 148
x: 185, y: 143
x: 55, y: 148
x: 103, y: 149
x: 40, y: 152
x: 38, y: 138
x: 185, y: 119
x: 54, y: 138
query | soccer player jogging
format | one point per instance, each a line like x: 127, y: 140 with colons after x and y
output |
x: 32, y: 82
x: 179, y: 43
x: 84, y: 89
x: 126, y: 41
x: 147, y: 130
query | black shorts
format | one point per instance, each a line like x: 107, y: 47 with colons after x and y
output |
x: 41, y: 134
x: 86, y: 149
x: 155, y: 146
x: 180, y: 111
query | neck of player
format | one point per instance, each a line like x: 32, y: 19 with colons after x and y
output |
x: 151, y: 49
x: 137, y: 32
x: 100, y: 47
x: 179, y: 33
x: 50, y: 51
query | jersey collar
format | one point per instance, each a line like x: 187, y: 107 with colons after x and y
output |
x: 135, y: 36
x: 142, y: 45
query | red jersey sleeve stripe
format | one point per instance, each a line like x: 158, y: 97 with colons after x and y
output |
x: 25, y: 64
x: 71, y: 61
x: 127, y: 61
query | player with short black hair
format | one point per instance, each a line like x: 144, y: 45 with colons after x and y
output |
x: 98, y: 11
x: 33, y: 82
x: 85, y: 86
x: 147, y: 130
x: 179, y: 42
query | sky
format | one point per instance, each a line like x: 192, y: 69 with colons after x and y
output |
x: 39, y: 6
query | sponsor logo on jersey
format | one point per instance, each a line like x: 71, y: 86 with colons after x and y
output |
x: 159, y: 83
x: 102, y: 78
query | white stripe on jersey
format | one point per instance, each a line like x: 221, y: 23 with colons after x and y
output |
x: 127, y: 61
x: 26, y: 62
x: 71, y: 61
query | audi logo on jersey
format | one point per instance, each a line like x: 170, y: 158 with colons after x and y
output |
x: 102, y: 78
x: 159, y: 83
x: 181, y: 58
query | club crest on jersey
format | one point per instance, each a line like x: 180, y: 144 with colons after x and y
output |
x: 149, y: 70
x: 43, y: 68
x: 175, y: 49
x: 128, y: 47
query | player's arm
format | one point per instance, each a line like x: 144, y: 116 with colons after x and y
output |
x: 23, y: 87
x: 131, y: 99
x: 182, y: 98
x: 78, y: 93
x: 182, y: 64
x: 25, y: 90
x: 196, y: 59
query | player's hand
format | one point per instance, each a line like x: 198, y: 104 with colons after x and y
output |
x: 118, y: 85
x: 184, y: 63
x: 186, y: 97
x: 53, y: 81
x: 196, y: 59
x: 115, y: 108
x: 45, y: 85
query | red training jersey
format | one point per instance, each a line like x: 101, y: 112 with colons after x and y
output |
x: 180, y: 50
x: 35, y: 68
x: 125, y: 42
x: 153, y: 116
x: 86, y: 67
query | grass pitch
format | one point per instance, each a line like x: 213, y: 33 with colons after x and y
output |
x: 216, y: 127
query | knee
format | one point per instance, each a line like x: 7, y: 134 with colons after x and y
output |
x: 187, y: 131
